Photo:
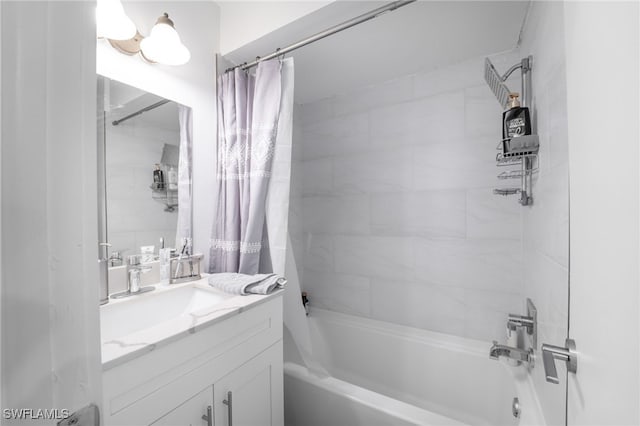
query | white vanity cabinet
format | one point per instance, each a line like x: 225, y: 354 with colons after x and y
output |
x: 173, y: 383
x: 245, y: 396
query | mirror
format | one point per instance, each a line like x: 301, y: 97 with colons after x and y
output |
x: 144, y: 187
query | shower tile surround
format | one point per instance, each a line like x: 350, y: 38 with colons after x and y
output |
x: 393, y: 215
x: 134, y: 218
x: 395, y: 219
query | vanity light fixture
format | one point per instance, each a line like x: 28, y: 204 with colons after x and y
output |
x: 164, y: 45
x: 111, y: 21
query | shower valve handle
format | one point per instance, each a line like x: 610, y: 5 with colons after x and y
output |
x: 567, y: 354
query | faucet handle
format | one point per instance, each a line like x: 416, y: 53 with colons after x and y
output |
x: 134, y: 260
x: 568, y: 354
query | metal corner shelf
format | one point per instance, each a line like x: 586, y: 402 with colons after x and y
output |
x: 162, y: 194
x: 525, y: 156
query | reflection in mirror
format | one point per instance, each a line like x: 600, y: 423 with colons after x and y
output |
x: 144, y: 167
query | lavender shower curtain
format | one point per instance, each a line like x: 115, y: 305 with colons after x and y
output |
x: 248, y: 113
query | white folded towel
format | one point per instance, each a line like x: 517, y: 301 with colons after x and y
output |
x: 243, y: 284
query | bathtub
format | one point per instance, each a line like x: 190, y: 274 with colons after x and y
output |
x: 386, y: 374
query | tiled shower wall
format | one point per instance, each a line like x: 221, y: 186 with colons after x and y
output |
x: 134, y: 218
x: 392, y: 211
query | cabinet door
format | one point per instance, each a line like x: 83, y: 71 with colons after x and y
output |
x: 251, y: 395
x: 190, y: 412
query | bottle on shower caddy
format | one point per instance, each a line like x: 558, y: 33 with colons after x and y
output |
x: 172, y: 179
x: 515, y: 120
x: 158, y: 177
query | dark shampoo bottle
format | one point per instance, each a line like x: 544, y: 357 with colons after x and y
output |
x: 158, y: 177
x: 516, y: 121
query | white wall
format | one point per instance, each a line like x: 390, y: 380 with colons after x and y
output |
x: 50, y: 338
x: 192, y: 85
x: 602, y: 44
x: 399, y: 222
x: 242, y: 22
x: 545, y: 224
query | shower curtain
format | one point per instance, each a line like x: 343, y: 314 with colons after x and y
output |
x: 255, y: 115
x: 249, y: 118
x: 183, y: 229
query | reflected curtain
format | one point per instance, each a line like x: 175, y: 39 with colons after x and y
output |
x: 248, y: 114
x: 183, y: 228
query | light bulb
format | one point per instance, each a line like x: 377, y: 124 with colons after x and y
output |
x: 163, y: 44
x: 112, y: 22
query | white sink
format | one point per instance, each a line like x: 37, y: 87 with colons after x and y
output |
x: 126, y: 316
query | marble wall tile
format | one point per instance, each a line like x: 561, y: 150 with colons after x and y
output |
x: 366, y: 98
x: 317, y: 176
x: 458, y: 76
x: 336, y: 215
x: 318, y: 253
x: 482, y: 114
x: 376, y: 257
x: 339, y: 292
x: 373, y: 171
x: 430, y: 307
x: 313, y: 112
x: 435, y: 214
x: 483, y: 264
x: 431, y: 120
x: 336, y: 136
x: 454, y: 166
x: 489, y: 216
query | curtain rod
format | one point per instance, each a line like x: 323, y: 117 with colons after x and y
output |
x: 326, y: 33
x: 145, y: 109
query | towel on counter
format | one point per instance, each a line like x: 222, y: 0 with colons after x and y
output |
x: 235, y: 283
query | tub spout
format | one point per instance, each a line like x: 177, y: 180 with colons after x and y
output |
x: 498, y: 350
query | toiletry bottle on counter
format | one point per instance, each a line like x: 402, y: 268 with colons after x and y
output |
x: 172, y: 179
x: 165, y: 265
x: 158, y: 177
x: 516, y: 120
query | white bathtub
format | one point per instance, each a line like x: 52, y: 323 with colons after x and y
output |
x: 386, y: 374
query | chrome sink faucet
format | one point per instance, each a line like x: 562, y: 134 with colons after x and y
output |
x: 517, y: 354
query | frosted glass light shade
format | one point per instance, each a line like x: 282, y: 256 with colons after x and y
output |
x: 163, y: 44
x: 112, y: 22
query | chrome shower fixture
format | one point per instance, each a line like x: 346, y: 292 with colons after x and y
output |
x: 496, y: 81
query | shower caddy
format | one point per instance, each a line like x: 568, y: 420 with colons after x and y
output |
x: 523, y: 150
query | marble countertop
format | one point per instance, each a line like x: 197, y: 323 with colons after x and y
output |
x: 119, y: 350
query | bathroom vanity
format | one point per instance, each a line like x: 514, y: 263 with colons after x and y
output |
x: 188, y: 354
